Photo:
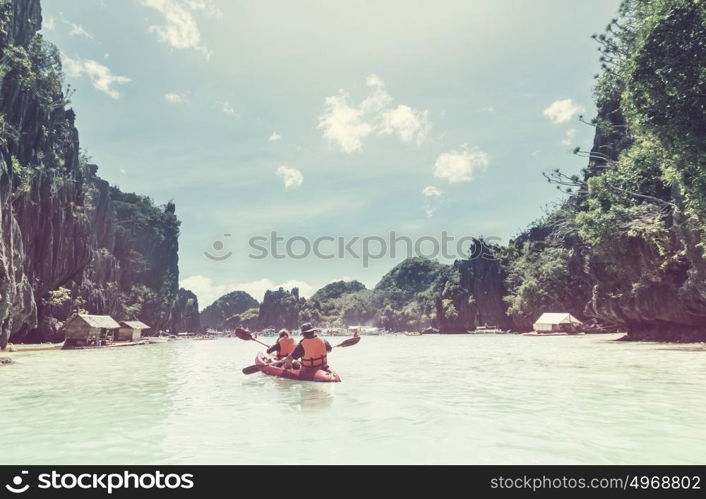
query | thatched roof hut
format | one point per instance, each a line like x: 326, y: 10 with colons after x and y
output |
x: 561, y: 321
x: 85, y: 329
x: 131, y: 330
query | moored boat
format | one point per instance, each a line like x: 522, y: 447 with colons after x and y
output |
x: 41, y: 347
x: 365, y: 330
x: 157, y: 339
x: 551, y: 333
x: 115, y: 344
x: 488, y: 330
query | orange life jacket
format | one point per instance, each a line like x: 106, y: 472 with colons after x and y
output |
x: 314, y: 352
x: 286, y: 346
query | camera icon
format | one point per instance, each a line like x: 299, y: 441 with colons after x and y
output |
x: 16, y: 486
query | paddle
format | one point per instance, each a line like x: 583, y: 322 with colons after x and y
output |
x: 251, y: 369
x: 346, y: 343
x: 349, y: 342
x: 246, y: 335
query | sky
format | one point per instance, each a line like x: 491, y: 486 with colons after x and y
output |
x: 325, y: 121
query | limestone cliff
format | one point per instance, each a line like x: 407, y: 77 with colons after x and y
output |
x: 216, y: 315
x: 58, y: 220
x: 455, y: 298
x: 627, y: 245
x: 184, y: 315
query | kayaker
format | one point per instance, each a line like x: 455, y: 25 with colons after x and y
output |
x: 312, y: 349
x: 284, y: 346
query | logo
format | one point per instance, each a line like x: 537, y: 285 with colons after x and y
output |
x: 218, y: 246
x: 16, y: 486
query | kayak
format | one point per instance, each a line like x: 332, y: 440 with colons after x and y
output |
x: 303, y: 374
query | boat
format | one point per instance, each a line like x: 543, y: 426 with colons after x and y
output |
x: 365, y: 330
x: 485, y: 329
x: 157, y: 339
x: 266, y: 361
x: 412, y: 333
x: 115, y: 344
x: 551, y: 333
x: 41, y: 347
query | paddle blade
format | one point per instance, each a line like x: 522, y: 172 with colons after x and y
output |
x: 243, y: 334
x: 349, y: 342
x: 251, y: 369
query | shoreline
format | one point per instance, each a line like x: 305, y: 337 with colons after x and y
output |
x: 666, y: 335
x: 645, y: 336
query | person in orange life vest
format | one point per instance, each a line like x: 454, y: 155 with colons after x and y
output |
x: 284, y: 346
x: 312, y: 350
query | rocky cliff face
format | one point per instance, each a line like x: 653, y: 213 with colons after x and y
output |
x: 484, y: 280
x: 216, y: 315
x: 419, y: 293
x: 655, y: 287
x: 650, y: 274
x: 184, y: 315
x: 58, y: 220
x: 280, y: 309
x: 627, y: 246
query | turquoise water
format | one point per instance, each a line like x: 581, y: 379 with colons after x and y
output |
x: 495, y: 399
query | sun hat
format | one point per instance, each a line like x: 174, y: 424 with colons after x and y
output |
x: 307, y: 328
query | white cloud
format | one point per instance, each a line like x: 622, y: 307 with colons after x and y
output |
x: 180, y: 29
x: 77, y: 30
x: 378, y: 99
x: 206, y: 6
x: 49, y: 24
x: 344, y: 125
x: 431, y: 192
x: 208, y: 291
x: 569, y: 137
x: 205, y: 289
x: 174, y: 97
x: 459, y: 165
x: 347, y: 125
x: 227, y: 109
x: 561, y: 111
x: 101, y: 76
x: 409, y: 124
x: 274, y: 137
x: 291, y: 176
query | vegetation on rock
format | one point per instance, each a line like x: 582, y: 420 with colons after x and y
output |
x: 228, y: 310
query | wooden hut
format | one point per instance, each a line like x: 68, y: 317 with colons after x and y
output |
x: 85, y: 330
x: 131, y: 330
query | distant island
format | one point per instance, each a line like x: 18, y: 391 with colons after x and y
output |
x: 623, y: 249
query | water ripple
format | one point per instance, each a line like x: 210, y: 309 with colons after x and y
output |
x: 431, y: 399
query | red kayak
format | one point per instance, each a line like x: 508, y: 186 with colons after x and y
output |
x: 303, y: 374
